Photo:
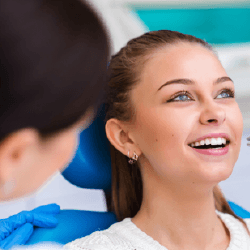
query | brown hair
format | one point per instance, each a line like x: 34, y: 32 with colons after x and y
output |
x: 123, y: 75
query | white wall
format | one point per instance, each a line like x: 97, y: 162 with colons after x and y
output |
x: 59, y: 191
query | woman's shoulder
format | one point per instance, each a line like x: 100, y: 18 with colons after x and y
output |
x: 247, y: 221
x: 101, y: 240
x: 232, y: 219
x: 97, y: 240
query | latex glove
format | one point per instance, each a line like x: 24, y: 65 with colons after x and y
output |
x: 17, y: 229
x: 248, y: 138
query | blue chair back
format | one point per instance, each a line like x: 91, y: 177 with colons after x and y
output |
x: 90, y: 168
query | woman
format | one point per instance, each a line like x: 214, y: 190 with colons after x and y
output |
x: 53, y: 67
x: 175, y: 130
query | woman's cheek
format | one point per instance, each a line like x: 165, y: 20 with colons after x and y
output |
x: 237, y: 121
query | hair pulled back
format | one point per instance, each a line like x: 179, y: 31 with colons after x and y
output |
x: 124, y: 70
x: 53, y: 64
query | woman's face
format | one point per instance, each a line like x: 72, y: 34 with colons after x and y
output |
x: 185, y: 96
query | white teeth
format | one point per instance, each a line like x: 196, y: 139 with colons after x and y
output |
x: 202, y: 142
x: 213, y: 141
x: 219, y: 141
x: 209, y: 141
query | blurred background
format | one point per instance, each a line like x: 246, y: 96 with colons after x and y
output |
x: 223, y: 23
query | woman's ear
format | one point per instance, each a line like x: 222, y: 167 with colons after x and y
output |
x: 118, y: 135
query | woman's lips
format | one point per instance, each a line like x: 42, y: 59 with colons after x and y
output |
x: 213, y: 151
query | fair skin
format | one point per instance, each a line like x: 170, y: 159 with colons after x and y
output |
x: 27, y: 160
x: 178, y: 207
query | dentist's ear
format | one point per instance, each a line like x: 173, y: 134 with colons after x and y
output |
x: 119, y: 136
x: 14, y: 153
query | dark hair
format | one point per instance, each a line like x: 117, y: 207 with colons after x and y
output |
x: 124, y: 70
x: 53, y: 64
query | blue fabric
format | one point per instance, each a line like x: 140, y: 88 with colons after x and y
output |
x: 241, y: 212
x: 17, y: 229
x: 73, y: 224
x: 91, y: 166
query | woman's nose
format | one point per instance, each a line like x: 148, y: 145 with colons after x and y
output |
x: 212, y: 113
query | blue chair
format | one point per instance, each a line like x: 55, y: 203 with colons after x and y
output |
x: 73, y: 224
x: 241, y: 212
x: 90, y: 168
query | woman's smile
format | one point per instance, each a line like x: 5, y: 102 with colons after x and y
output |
x: 212, y: 144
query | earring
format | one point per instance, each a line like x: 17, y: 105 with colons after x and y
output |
x: 133, y: 159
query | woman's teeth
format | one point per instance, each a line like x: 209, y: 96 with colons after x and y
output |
x: 210, y: 141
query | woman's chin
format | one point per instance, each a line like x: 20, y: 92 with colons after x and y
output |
x: 217, y: 172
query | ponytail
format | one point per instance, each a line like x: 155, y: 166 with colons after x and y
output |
x: 126, y: 186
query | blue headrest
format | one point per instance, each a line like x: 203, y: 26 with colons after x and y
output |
x: 238, y: 210
x: 91, y: 166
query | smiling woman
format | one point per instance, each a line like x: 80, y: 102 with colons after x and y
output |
x: 171, y: 108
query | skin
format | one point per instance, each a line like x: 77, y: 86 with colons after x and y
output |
x: 178, y: 207
x: 27, y: 160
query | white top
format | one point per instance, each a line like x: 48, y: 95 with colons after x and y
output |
x: 125, y: 235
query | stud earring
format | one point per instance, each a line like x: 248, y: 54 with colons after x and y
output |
x: 133, y: 159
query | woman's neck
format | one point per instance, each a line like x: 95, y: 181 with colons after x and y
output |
x: 180, y: 219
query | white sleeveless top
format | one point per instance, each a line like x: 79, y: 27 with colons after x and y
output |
x: 125, y: 235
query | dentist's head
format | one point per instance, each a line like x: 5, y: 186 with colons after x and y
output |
x: 53, y: 66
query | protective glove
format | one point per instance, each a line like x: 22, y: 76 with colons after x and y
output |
x: 17, y: 229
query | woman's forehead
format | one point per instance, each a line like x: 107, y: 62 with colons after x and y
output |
x: 180, y: 61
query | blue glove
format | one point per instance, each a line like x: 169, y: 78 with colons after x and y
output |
x: 17, y: 229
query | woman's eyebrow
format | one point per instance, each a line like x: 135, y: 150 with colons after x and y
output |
x: 191, y: 82
x: 223, y: 79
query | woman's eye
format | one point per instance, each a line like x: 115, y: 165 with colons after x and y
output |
x: 226, y: 93
x: 180, y: 97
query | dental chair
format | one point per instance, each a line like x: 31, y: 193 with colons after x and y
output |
x: 90, y: 168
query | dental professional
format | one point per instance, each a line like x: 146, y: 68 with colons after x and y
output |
x: 175, y: 130
x: 53, y: 73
